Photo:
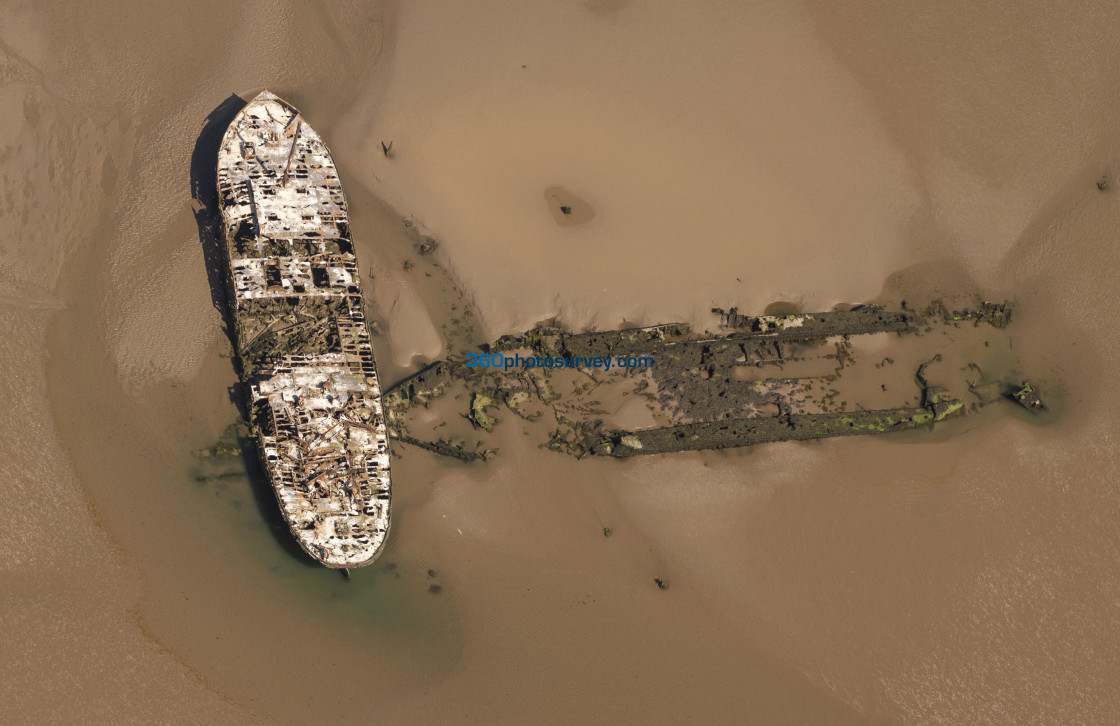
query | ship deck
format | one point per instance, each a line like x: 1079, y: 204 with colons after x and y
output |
x: 303, y: 342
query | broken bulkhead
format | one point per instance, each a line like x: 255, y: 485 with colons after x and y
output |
x: 302, y: 339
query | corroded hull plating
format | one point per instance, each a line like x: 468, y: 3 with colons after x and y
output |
x: 302, y: 337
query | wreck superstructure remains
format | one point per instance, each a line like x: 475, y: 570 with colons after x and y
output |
x: 302, y: 338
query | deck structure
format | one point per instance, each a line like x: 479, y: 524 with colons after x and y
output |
x: 302, y: 338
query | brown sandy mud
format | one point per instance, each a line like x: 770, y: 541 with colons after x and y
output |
x: 748, y: 152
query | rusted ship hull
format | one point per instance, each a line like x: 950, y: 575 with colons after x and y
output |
x: 302, y: 339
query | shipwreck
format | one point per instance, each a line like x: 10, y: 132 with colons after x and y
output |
x: 302, y: 339
x: 757, y: 380
x: 323, y: 433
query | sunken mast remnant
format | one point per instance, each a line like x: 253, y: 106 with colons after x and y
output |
x: 302, y: 337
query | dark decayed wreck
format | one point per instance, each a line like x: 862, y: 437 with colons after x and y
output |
x: 711, y: 390
x: 301, y: 333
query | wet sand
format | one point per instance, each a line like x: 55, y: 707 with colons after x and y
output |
x: 734, y: 156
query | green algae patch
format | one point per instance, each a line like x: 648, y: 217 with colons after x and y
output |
x: 630, y: 441
x: 478, y: 416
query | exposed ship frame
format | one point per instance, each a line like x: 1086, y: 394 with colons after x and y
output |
x: 302, y: 339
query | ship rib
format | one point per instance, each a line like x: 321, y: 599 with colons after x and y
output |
x: 302, y: 339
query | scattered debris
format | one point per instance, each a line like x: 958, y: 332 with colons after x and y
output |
x: 998, y: 315
x: 1027, y: 397
x: 443, y: 447
x: 218, y: 451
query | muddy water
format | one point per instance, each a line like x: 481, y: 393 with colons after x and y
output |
x: 736, y: 155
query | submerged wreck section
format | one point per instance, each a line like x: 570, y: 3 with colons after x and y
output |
x: 763, y: 429
x: 760, y: 379
x: 302, y: 339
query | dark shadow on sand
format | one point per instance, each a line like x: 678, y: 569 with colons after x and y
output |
x: 204, y: 190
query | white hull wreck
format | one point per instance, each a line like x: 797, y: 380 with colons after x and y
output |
x: 302, y: 338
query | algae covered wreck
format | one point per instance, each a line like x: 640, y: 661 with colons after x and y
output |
x: 302, y: 338
x: 753, y: 380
